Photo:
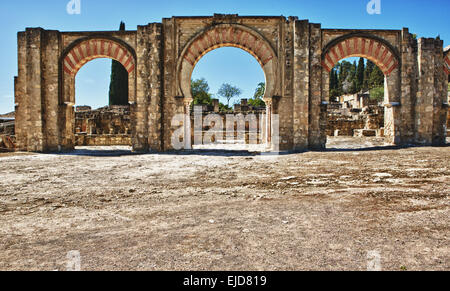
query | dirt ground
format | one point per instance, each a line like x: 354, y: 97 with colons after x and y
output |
x: 217, y: 210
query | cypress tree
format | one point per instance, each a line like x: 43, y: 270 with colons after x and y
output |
x: 334, y: 83
x: 332, y: 79
x: 118, y: 88
x: 376, y: 78
x: 369, y: 68
x: 360, y: 75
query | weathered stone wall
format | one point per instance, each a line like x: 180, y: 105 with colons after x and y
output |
x: 107, y: 120
x: 295, y: 55
x: 344, y: 122
x: 7, y: 126
x: 247, y: 127
x: 447, y: 71
x: 430, y: 110
x: 103, y: 140
x: 7, y: 142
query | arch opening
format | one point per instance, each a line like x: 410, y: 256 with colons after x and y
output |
x: 358, y: 115
x: 226, y: 35
x: 102, y: 124
x: 236, y: 123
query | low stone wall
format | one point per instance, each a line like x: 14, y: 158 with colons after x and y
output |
x: 107, y: 120
x: 339, y: 126
x: 7, y: 142
x: 243, y: 133
x: 107, y: 126
x: 345, y: 122
x: 103, y: 140
x: 7, y: 128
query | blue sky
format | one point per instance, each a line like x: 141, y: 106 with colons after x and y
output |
x: 425, y: 18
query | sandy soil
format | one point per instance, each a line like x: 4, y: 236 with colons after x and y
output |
x: 216, y: 210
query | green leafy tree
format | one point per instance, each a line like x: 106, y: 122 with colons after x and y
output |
x: 377, y: 94
x: 118, y: 88
x: 200, y: 92
x: 228, y: 92
x: 224, y: 108
x: 257, y: 100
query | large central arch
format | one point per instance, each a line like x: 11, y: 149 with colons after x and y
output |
x: 227, y: 35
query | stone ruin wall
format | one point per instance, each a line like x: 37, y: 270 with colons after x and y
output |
x: 104, y: 126
x: 351, y: 122
x: 7, y: 132
x: 246, y: 123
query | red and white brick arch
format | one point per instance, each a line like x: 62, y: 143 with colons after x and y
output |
x: 370, y: 48
x: 227, y: 35
x: 447, y: 61
x: 97, y: 48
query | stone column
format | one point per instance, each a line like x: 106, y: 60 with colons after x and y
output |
x: 317, y: 131
x: 187, y: 125
x: 66, y: 113
x: 173, y: 99
x: 20, y: 91
x: 431, y: 95
x: 392, y: 112
x: 37, y: 90
x: 147, y: 133
x: 51, y: 52
x: 408, y: 86
x: 269, y: 105
x: 440, y: 102
x: 35, y: 135
x: 301, y: 85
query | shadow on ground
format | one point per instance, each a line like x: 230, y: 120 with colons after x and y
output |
x: 105, y: 152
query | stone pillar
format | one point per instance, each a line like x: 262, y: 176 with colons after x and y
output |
x: 392, y: 112
x: 268, y: 123
x: 408, y: 86
x: 440, y: 103
x: 215, y: 103
x: 301, y: 85
x: 37, y: 90
x: 282, y: 100
x: 20, y: 92
x: 318, y: 94
x: 187, y: 125
x: 35, y: 136
x: 173, y: 101
x: 148, y: 132
x: 431, y: 95
x: 51, y: 52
